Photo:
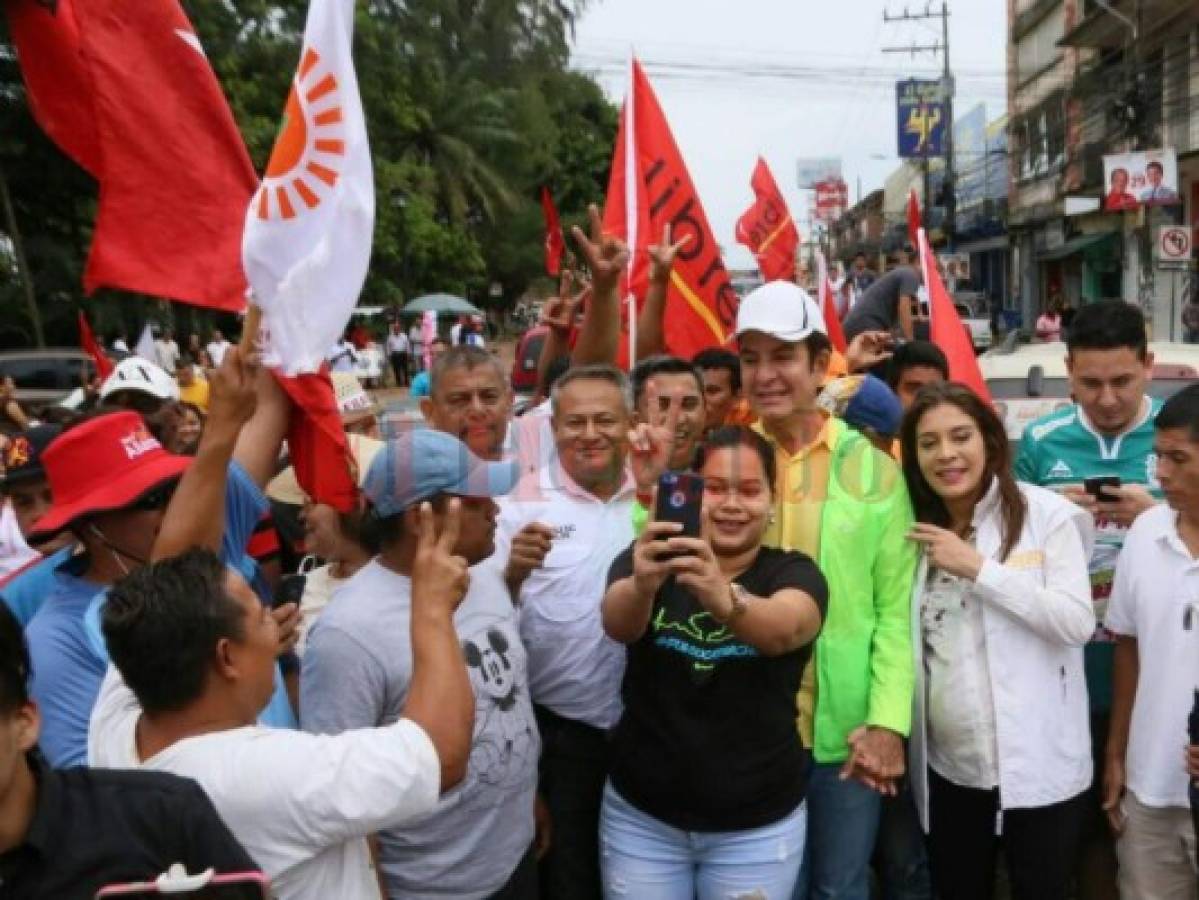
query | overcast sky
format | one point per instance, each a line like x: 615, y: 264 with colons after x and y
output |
x: 785, y: 79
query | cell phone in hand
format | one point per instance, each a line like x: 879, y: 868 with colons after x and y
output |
x: 236, y: 886
x: 680, y: 498
x: 290, y: 590
x: 1098, y: 486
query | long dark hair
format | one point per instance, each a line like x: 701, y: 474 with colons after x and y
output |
x: 926, y: 503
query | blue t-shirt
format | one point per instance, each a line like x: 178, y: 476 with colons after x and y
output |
x: 66, y: 673
x: 28, y: 589
x: 420, y: 385
x: 67, y: 646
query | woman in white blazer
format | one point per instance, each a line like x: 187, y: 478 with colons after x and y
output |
x: 1001, y: 609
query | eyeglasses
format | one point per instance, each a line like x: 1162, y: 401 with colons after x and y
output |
x: 156, y: 498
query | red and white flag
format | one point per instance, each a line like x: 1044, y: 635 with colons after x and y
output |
x: 308, y: 228
x: 946, y: 328
x: 126, y: 91
x: 554, y: 244
x: 648, y: 188
x: 828, y: 304
x: 767, y: 228
x: 914, y: 225
x: 307, y: 243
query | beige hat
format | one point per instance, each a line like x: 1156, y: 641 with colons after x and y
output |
x: 284, y: 488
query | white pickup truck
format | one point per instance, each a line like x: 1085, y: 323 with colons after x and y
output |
x: 968, y: 304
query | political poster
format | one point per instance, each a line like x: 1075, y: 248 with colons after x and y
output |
x: 1143, y: 178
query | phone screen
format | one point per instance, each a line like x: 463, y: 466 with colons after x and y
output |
x: 1098, y: 485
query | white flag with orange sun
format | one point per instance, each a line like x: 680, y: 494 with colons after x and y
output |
x: 307, y: 241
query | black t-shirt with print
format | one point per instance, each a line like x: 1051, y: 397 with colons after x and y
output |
x: 708, y: 739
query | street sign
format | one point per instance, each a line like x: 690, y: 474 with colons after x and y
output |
x: 920, y: 118
x: 1174, y: 245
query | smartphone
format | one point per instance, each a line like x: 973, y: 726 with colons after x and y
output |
x: 680, y: 497
x: 1097, y: 486
x: 236, y: 886
x: 290, y: 590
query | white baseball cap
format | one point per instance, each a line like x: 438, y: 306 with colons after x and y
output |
x: 780, y: 309
x: 139, y: 375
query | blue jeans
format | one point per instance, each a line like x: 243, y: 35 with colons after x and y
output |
x: 642, y: 858
x: 843, y: 822
x: 900, y: 856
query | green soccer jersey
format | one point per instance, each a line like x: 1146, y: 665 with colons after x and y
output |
x: 1062, y: 449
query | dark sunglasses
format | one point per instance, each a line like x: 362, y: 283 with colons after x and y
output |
x: 156, y: 498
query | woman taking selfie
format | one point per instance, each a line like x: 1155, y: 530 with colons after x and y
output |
x: 707, y: 777
x: 1001, y: 610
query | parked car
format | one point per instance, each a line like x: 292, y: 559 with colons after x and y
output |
x: 48, y: 375
x: 528, y: 354
x: 1030, y: 380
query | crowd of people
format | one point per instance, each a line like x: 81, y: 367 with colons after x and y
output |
x: 895, y: 649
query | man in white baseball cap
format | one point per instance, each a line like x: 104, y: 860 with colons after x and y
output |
x: 842, y: 502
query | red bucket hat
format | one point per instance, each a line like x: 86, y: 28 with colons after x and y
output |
x: 104, y: 464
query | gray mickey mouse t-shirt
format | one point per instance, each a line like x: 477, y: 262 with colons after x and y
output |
x: 356, y: 674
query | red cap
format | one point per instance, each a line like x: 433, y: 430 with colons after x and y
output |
x: 104, y: 464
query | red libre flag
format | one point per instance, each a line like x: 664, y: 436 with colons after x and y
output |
x: 174, y: 174
x: 554, y: 245
x: 87, y: 340
x: 649, y: 188
x: 46, y: 36
x: 946, y: 328
x: 316, y: 440
x: 767, y: 228
x: 914, y: 225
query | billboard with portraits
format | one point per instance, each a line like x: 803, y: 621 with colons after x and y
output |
x: 1141, y: 178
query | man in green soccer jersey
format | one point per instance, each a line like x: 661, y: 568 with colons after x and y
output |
x: 1108, y: 431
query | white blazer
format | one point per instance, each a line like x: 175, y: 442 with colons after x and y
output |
x: 1037, y: 616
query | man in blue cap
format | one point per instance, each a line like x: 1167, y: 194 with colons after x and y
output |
x: 477, y: 842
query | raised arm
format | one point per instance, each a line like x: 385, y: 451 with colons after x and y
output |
x: 196, y: 514
x: 258, y: 447
x: 651, y: 334
x: 607, y: 258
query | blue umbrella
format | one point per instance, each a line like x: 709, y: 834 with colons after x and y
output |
x: 442, y: 304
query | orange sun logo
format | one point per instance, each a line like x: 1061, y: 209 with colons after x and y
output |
x: 308, y: 152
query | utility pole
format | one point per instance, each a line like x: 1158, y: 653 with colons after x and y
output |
x: 947, y: 89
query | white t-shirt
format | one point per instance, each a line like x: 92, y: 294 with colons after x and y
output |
x: 300, y: 804
x: 168, y: 354
x: 217, y: 350
x: 575, y: 669
x: 1156, y: 580
x: 455, y: 333
x: 398, y: 343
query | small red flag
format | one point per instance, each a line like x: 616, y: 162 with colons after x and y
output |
x: 767, y: 228
x: 914, y: 224
x: 828, y: 305
x: 648, y: 188
x: 554, y: 245
x: 87, y: 340
x: 317, y: 442
x: 946, y: 328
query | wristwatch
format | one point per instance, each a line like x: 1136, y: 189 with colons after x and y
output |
x: 740, y: 598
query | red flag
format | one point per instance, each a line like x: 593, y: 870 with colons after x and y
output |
x: 87, y: 340
x: 46, y: 36
x: 767, y: 228
x: 317, y: 442
x: 913, y: 217
x: 649, y: 187
x: 946, y: 328
x: 828, y: 305
x: 142, y: 100
x: 554, y: 245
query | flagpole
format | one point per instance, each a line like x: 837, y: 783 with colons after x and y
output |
x: 250, y: 328
x: 630, y: 203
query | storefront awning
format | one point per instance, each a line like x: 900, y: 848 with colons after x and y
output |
x: 1074, y: 245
